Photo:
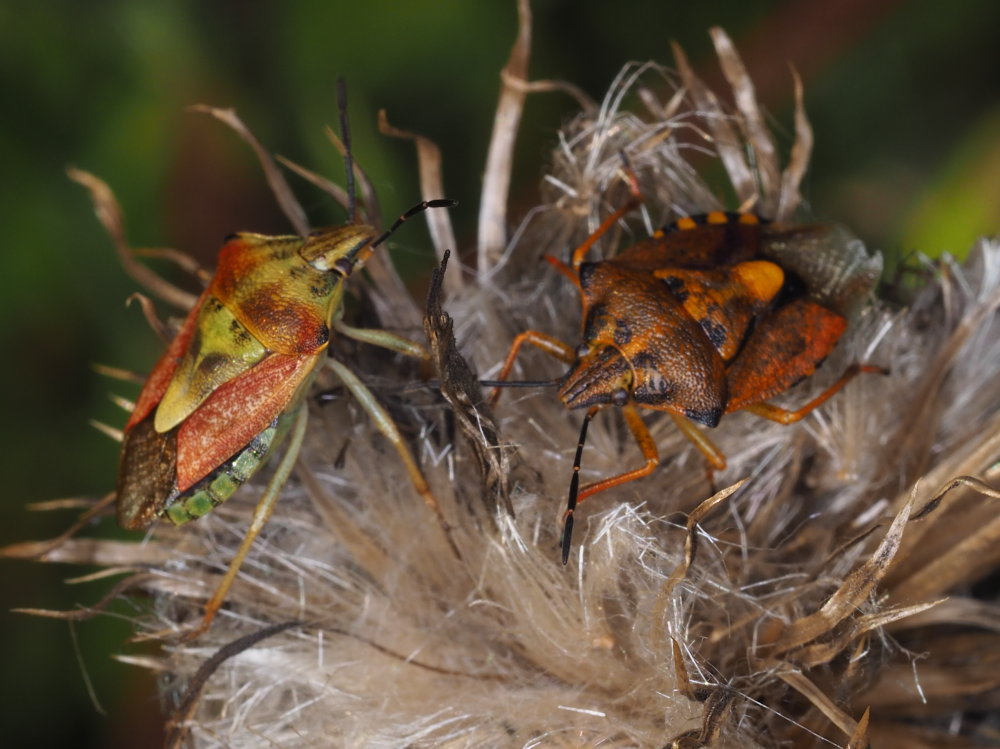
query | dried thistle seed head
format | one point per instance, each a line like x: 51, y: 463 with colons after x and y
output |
x: 775, y: 614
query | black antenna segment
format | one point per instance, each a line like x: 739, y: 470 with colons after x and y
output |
x: 345, y: 135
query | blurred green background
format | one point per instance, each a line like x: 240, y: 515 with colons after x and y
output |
x: 903, y: 97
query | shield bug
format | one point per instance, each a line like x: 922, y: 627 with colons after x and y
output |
x: 232, y: 382
x: 714, y: 313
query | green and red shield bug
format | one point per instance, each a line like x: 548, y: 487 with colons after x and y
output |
x: 232, y: 382
x: 713, y: 314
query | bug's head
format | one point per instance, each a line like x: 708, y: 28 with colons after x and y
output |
x: 599, y: 376
x: 342, y: 248
x: 652, y: 377
x: 336, y: 249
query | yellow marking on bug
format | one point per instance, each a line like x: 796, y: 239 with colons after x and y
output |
x: 761, y: 278
x: 658, y: 234
x: 716, y: 217
x: 221, y: 349
x: 686, y: 223
x: 749, y: 218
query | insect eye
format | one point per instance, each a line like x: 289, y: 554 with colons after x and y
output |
x: 619, y: 397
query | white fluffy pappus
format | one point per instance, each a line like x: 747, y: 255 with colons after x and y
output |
x: 791, y: 612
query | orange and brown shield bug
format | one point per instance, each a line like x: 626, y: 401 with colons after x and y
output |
x: 714, y: 313
x: 232, y: 382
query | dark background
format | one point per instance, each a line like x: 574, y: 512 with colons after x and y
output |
x: 902, y: 95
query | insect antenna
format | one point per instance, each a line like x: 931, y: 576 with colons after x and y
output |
x: 418, y: 208
x: 574, y: 487
x: 345, y: 135
x: 355, y: 256
x: 326, y: 396
x: 519, y: 383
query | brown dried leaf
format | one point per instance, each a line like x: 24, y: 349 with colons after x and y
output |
x: 974, y: 551
x: 462, y: 390
x: 717, y: 706
x: 681, y: 676
x: 791, y: 178
x: 92, y: 551
x: 117, y: 373
x: 757, y: 133
x: 850, y: 595
x: 181, y: 259
x: 725, y: 138
x: 951, y: 515
x: 109, y: 213
x: 492, y: 237
x: 587, y: 105
x: 431, y: 187
x: 912, y: 442
x: 138, y: 580
x: 956, y: 671
x: 691, y: 537
x: 957, y: 610
x: 798, y: 681
x: 64, y: 503
x: 901, y: 734
x: 331, y: 188
x: 177, y: 729
x: 859, y: 739
x: 38, y: 549
x: 884, y: 618
x: 970, y: 482
x: 159, y: 327
x: 819, y: 654
x: 275, y: 179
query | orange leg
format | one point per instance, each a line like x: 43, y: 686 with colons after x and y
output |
x: 783, y: 416
x: 548, y: 344
x: 646, y: 444
x: 385, y: 424
x: 576, y: 495
x: 716, y: 459
x: 261, y: 514
x: 580, y: 252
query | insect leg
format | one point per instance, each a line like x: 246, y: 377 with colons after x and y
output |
x: 645, y: 441
x: 261, y: 514
x: 633, y: 202
x: 705, y: 446
x: 390, y: 431
x: 783, y: 416
x: 384, y: 339
x: 548, y: 344
x: 646, y: 444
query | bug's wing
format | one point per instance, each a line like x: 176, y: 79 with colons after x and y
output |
x: 785, y: 347
x: 236, y: 411
x: 146, y: 471
x: 833, y: 263
x: 220, y: 349
x: 159, y: 379
x: 725, y: 301
x: 710, y: 241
